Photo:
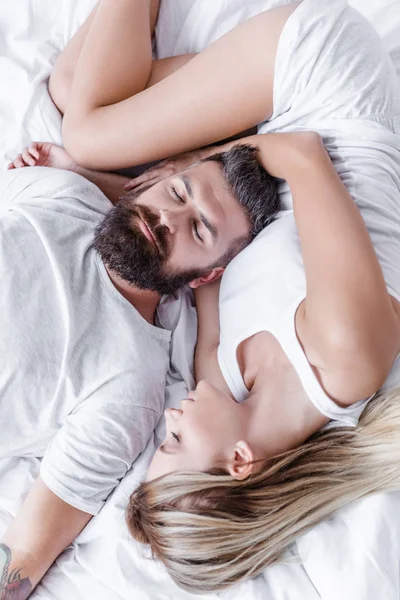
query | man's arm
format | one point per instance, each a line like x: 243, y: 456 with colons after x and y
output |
x: 43, y: 528
x: 84, y: 463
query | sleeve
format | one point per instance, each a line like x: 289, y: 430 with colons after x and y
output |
x: 331, y: 64
x: 52, y: 188
x: 16, y: 185
x: 94, y: 449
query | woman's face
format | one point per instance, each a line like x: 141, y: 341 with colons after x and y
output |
x: 201, y: 434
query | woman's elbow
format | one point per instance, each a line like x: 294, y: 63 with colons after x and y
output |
x: 60, y: 83
x: 364, y: 361
x: 77, y: 143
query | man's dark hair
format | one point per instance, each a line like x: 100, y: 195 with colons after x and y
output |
x: 254, y: 188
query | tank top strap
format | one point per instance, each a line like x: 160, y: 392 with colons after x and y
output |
x: 287, y: 337
x: 232, y: 374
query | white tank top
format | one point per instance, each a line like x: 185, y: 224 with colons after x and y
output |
x: 352, y: 98
x: 263, y: 286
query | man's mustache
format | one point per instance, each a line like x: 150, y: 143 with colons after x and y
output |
x: 158, y: 231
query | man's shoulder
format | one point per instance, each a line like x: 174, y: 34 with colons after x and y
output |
x: 59, y: 184
x: 55, y: 188
x: 139, y: 352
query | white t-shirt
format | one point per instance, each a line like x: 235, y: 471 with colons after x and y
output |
x: 333, y: 76
x: 82, y: 373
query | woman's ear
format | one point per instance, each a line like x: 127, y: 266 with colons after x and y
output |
x: 241, y: 465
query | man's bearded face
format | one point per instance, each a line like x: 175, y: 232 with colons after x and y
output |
x: 125, y: 249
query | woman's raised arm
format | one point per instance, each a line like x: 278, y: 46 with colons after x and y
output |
x: 222, y: 91
x: 348, y: 324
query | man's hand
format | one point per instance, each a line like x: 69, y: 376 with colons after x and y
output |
x: 43, y: 154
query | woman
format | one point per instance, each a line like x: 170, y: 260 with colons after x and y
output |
x: 320, y: 335
x: 235, y: 483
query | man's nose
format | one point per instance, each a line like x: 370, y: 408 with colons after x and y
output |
x: 172, y: 219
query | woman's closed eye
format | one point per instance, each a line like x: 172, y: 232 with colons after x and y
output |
x: 176, y: 437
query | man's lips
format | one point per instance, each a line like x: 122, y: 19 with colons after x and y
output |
x: 146, y: 231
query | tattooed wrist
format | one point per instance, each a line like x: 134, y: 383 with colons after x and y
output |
x: 12, y: 585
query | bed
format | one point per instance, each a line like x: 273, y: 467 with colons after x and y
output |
x: 354, y: 555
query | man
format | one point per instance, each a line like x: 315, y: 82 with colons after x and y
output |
x: 83, y: 356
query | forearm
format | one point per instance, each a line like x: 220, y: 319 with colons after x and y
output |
x: 336, y: 248
x: 108, y: 72
x: 164, y: 67
x: 42, y: 529
x: 92, y: 84
x: 61, y: 78
x: 19, y: 573
x: 188, y: 109
x: 111, y: 184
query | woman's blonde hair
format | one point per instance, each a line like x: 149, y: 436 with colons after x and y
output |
x: 212, y: 531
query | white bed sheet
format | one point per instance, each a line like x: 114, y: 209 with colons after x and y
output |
x: 355, y: 555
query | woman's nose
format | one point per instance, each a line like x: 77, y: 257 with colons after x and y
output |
x: 173, y: 413
x: 203, y: 387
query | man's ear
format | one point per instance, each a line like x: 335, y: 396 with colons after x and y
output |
x: 241, y: 465
x: 211, y: 276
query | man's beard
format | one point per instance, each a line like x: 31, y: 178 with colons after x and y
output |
x: 127, y: 252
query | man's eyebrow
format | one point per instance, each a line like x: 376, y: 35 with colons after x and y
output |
x: 210, y: 227
x: 188, y: 186
x: 203, y: 218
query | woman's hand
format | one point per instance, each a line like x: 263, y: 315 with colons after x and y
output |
x: 281, y: 154
x: 167, y: 168
x: 43, y: 154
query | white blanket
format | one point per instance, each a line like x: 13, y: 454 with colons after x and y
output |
x: 355, y: 555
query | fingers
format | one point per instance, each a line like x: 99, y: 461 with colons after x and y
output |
x: 151, y: 176
x: 28, y: 157
x: 17, y: 163
x: 143, y: 179
x: 137, y: 185
x: 162, y: 170
x: 34, y: 149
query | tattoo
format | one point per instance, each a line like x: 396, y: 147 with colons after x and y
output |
x: 12, y: 586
